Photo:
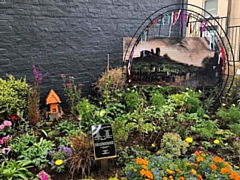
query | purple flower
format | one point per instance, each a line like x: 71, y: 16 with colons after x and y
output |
x: 237, y: 138
x: 66, y: 150
x: 6, y: 149
x: 40, y: 76
x: 7, y: 123
x: 1, y: 127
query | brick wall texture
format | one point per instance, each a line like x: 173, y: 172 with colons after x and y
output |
x: 67, y: 36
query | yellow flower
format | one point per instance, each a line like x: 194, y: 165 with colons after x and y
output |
x: 223, y: 104
x: 134, y: 170
x: 233, y: 105
x: 144, y: 167
x: 216, y: 141
x: 169, y: 171
x: 187, y: 89
x: 194, y: 171
x: 189, y: 139
x: 164, y: 178
x: 58, y: 162
x: 153, y: 145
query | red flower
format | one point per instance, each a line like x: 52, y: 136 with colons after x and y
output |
x: 14, y: 118
x: 68, y: 84
x: 184, y: 106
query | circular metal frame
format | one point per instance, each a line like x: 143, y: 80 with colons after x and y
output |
x: 197, y: 15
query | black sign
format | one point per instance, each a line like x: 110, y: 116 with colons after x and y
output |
x: 103, y: 142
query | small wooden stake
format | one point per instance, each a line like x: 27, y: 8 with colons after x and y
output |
x: 108, y: 64
x: 104, y: 164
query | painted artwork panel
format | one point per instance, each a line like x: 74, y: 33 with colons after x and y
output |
x: 174, y: 62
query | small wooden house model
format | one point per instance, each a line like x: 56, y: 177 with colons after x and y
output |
x: 53, y: 99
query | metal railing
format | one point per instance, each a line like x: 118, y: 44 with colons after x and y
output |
x: 234, y: 38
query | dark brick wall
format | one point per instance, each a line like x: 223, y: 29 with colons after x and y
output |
x: 67, y: 36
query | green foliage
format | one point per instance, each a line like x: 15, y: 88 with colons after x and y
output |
x: 85, y: 110
x: 20, y: 144
x: 130, y: 153
x: 229, y: 116
x: 37, y: 153
x: 72, y: 92
x: 206, y: 129
x: 69, y: 128
x: 13, y: 169
x: 120, y: 130
x: 12, y: 96
x: 172, y: 146
x: 132, y: 99
x: 157, y: 99
x: 235, y: 128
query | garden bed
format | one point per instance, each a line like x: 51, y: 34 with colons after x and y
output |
x: 159, y: 133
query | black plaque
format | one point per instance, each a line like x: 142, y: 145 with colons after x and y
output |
x: 103, y: 142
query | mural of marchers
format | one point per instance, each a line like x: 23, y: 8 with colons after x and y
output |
x: 174, y: 62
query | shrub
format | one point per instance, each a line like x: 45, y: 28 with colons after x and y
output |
x: 82, y: 158
x: 12, y: 96
x: 172, y: 146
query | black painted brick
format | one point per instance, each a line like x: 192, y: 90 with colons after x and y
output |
x: 68, y: 36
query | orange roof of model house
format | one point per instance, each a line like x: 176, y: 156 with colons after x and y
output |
x: 52, y: 98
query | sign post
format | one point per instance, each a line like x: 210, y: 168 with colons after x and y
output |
x: 103, y: 144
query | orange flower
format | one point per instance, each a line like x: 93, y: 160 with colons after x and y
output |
x: 149, y: 174
x: 181, y: 178
x: 224, y: 170
x: 164, y: 178
x: 199, y: 177
x: 144, y: 166
x: 139, y: 160
x: 171, y: 177
x: 214, y: 167
x: 237, y: 178
x: 196, y: 153
x: 142, y: 172
x: 227, y: 164
x: 233, y: 175
x: 145, y: 162
x: 217, y: 159
x: 199, y: 159
x: 178, y: 170
x: 196, y: 165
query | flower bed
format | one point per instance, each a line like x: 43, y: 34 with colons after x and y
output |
x: 159, y: 132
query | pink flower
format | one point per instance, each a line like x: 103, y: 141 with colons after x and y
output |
x: 68, y: 84
x: 7, y: 123
x: 6, y: 138
x: 43, y: 176
x: 1, y: 141
x: 6, y: 149
x: 63, y: 75
x: 1, y: 127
